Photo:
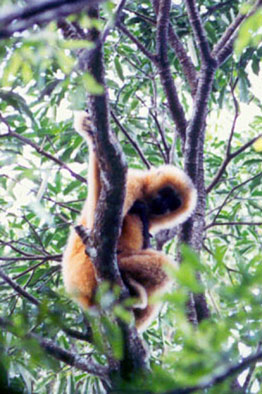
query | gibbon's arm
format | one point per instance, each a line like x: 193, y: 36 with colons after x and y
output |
x: 83, y: 127
x: 78, y: 271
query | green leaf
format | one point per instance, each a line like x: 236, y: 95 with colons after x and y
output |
x: 119, y: 69
x: 91, y: 84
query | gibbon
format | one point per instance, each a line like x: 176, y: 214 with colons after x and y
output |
x: 155, y: 199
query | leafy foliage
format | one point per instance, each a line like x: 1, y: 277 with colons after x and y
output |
x: 42, y: 189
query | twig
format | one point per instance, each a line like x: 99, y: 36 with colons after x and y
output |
x: 233, y: 224
x: 214, y: 8
x: 224, y: 47
x: 162, y: 134
x: 176, y: 44
x: 18, y: 288
x: 227, y: 160
x: 56, y: 257
x: 218, y: 378
x: 39, y: 149
x: 132, y: 142
x: 142, y: 16
x: 18, y: 19
x: 138, y: 43
x: 251, y: 371
x: 113, y: 22
x: 233, y: 190
x: 59, y: 353
x: 154, y: 138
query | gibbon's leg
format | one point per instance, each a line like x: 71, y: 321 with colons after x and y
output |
x: 78, y: 270
x: 143, y: 272
x: 170, y: 196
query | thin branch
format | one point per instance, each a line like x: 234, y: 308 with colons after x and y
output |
x: 113, y: 20
x: 228, y: 149
x: 56, y: 257
x: 216, y: 7
x: 161, y: 133
x: 132, y: 142
x: 61, y: 354
x: 33, y: 268
x: 251, y: 371
x: 233, y: 224
x: 81, y: 336
x: 39, y: 149
x: 245, y: 146
x: 175, y: 42
x: 224, y: 46
x: 21, y: 291
x: 62, y: 204
x: 19, y: 19
x: 185, y: 61
x: 142, y: 16
x: 225, y: 39
x: 218, y: 378
x: 199, y: 32
x: 228, y: 160
x: 162, y: 64
x: 18, y: 288
x: 163, y: 153
x: 233, y: 190
x: 138, y: 43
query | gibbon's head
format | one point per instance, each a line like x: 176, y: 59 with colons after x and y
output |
x: 82, y: 124
x: 170, y: 195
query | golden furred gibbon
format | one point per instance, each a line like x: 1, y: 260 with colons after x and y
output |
x: 155, y: 199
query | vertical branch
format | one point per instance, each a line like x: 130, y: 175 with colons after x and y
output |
x: 197, y: 123
x: 108, y: 219
x: 199, y: 31
x: 163, y: 66
x: 185, y: 61
x: 192, y: 230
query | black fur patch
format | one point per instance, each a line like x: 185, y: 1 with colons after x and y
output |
x: 140, y: 209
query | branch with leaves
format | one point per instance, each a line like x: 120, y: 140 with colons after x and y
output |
x: 229, y: 372
x: 67, y: 357
x: 39, y: 149
x: 44, y: 11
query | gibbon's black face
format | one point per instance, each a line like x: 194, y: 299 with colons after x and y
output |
x: 166, y: 200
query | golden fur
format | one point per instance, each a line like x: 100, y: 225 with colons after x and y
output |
x: 142, y: 270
